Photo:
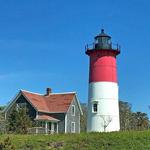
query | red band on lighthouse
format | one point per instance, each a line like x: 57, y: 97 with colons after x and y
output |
x: 103, y: 66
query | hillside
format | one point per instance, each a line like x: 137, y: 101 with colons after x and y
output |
x: 139, y: 140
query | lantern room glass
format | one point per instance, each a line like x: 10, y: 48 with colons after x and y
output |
x: 103, y: 41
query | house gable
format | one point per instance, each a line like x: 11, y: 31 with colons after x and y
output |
x: 78, y: 103
x: 30, y: 109
x: 12, y: 102
x: 73, y: 117
x: 18, y: 101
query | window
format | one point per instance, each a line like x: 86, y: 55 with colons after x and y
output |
x: 95, y: 108
x: 21, y: 105
x: 73, y: 110
x: 72, y: 127
x: 42, y: 124
x: 49, y: 125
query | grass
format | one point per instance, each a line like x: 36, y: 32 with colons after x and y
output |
x: 135, y: 140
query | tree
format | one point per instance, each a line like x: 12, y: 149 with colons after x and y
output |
x: 1, y: 116
x: 18, y: 121
x: 83, y: 118
x: 2, y: 108
x: 132, y: 120
x: 140, y: 121
x: 125, y: 115
x: 2, y: 121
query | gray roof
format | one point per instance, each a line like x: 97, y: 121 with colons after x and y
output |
x: 102, y: 34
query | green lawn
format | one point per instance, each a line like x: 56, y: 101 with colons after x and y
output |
x: 137, y: 140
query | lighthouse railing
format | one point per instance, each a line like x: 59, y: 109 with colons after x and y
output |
x: 92, y: 46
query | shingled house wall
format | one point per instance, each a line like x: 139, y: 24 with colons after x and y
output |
x: 71, y: 118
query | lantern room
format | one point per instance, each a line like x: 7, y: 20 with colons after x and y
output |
x: 103, y: 41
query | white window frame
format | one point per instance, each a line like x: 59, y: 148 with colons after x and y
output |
x: 73, y: 107
x: 22, y: 105
x: 17, y: 107
x: 93, y: 107
x: 73, y: 127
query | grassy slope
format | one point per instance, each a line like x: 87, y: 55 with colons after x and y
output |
x: 91, y: 141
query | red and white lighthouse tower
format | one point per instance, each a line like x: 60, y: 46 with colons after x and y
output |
x: 103, y: 108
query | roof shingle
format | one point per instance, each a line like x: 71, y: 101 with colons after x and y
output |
x: 52, y: 103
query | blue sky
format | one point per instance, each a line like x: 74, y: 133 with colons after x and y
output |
x: 42, y: 45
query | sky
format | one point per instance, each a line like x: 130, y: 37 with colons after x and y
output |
x: 42, y: 44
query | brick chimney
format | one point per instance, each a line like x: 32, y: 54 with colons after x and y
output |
x: 48, y: 91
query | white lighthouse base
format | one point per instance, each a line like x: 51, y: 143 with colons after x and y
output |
x: 106, y: 118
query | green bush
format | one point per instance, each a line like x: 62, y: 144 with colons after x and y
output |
x: 7, y: 145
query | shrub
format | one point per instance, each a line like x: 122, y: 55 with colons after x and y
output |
x: 7, y: 145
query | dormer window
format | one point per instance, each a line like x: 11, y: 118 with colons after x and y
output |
x: 73, y: 110
x: 94, y: 107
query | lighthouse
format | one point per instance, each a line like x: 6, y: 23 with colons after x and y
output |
x: 103, y: 107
